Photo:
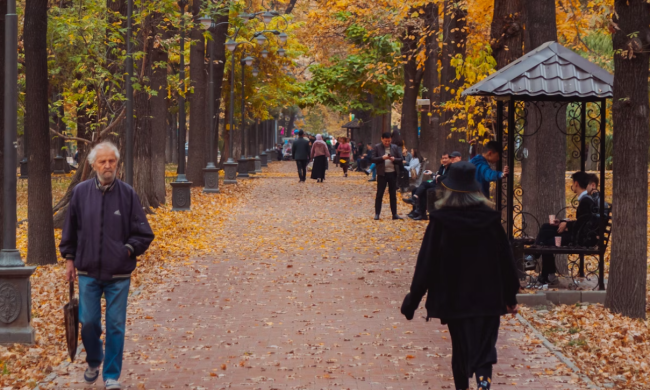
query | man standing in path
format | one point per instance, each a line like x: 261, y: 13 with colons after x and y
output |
x: 387, y: 157
x: 484, y: 173
x: 300, y: 152
x: 104, y: 232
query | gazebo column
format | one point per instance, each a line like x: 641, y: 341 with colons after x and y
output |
x: 510, y: 222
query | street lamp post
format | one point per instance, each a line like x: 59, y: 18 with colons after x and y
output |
x: 230, y: 166
x: 264, y: 157
x: 211, y: 172
x: 181, y: 194
x: 256, y: 148
x: 243, y: 166
x: 15, y: 288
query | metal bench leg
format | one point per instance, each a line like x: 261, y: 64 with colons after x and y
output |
x: 582, y: 266
x: 601, y: 272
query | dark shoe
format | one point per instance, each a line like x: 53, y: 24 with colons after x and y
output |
x: 372, y: 180
x: 420, y: 217
x: 413, y: 214
x: 91, y: 375
x: 376, y: 217
x: 397, y: 217
x: 408, y: 200
x: 367, y: 172
x: 346, y: 175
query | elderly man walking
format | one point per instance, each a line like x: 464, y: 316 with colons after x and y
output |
x: 104, y: 232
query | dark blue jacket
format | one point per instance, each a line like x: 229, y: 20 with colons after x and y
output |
x: 101, y: 227
x: 485, y: 174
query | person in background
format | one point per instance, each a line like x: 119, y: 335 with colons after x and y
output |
x: 372, y: 167
x: 300, y: 152
x: 413, y: 166
x: 467, y: 269
x: 407, y: 155
x: 484, y: 173
x: 386, y: 156
x: 320, y: 155
x: 278, y: 150
x: 419, y: 198
x: 345, y: 153
x: 358, y: 156
x: 104, y: 232
x: 581, y: 232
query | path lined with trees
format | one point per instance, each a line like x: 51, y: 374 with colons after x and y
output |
x: 309, y: 298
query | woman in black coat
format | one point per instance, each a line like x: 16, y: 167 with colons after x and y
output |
x: 467, y: 267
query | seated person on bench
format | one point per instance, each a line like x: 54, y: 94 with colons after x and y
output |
x: 419, y: 196
x: 580, y: 232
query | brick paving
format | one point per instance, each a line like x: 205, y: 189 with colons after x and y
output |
x: 303, y: 292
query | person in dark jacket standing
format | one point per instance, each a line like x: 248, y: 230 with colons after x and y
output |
x: 300, y: 151
x: 387, y: 158
x: 105, y: 231
x: 468, y: 269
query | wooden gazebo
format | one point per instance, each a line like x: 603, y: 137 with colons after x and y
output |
x: 350, y: 126
x: 550, y: 75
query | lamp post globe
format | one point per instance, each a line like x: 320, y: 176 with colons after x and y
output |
x: 231, y: 45
x: 206, y: 22
x: 261, y: 39
x: 283, y: 37
x: 248, y: 60
x: 267, y: 17
x: 265, y: 53
x: 281, y: 52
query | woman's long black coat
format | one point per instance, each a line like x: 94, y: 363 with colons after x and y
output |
x: 466, y: 266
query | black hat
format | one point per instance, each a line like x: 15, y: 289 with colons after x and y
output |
x: 461, y: 177
x: 455, y: 154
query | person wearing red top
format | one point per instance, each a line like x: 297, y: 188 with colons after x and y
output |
x: 345, y: 150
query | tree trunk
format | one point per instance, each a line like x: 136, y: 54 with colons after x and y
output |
x: 543, y: 171
x: 40, y: 233
x: 220, y: 52
x: 158, y: 115
x: 626, y: 292
x: 507, y: 38
x: 430, y: 138
x: 3, y: 6
x: 197, y: 148
x: 116, y: 14
x: 142, y: 131
x: 454, y: 43
x: 412, y: 79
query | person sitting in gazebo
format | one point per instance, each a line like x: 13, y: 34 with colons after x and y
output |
x: 581, y: 232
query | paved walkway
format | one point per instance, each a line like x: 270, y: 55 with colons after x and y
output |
x: 304, y: 293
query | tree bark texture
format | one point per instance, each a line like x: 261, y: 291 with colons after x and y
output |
x: 219, y: 39
x: 197, y: 147
x: 430, y: 139
x: 412, y: 80
x: 455, y: 32
x: 116, y: 14
x: 40, y: 234
x: 142, y: 125
x: 158, y: 115
x: 543, y: 171
x: 3, y: 6
x: 626, y: 292
x: 507, y: 35
x: 173, y: 125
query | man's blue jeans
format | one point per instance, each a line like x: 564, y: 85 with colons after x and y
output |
x: 116, y: 293
x: 373, y: 169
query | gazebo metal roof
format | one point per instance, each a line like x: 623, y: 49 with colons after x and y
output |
x: 352, y: 125
x: 551, y: 70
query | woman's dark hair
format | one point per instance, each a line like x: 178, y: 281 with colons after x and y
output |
x: 416, y: 154
x: 452, y: 199
x: 344, y: 140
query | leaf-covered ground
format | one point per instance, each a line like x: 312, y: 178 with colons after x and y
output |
x: 179, y: 236
x: 303, y: 291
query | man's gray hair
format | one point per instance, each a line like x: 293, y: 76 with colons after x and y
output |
x: 106, y: 145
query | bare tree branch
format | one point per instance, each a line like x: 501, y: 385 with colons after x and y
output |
x: 292, y: 4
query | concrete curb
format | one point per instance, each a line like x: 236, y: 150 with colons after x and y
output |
x: 556, y: 351
x: 561, y: 298
x: 53, y: 375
